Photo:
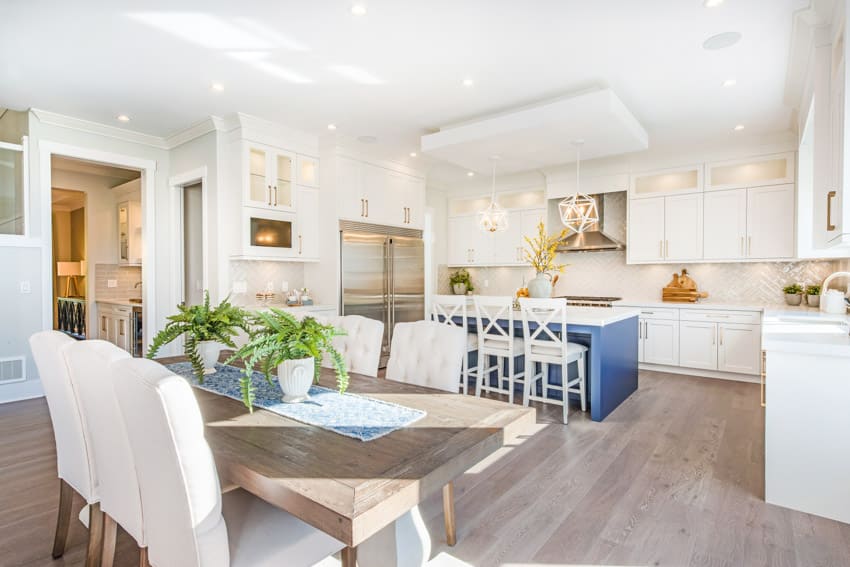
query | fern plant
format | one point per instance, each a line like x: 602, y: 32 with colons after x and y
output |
x: 202, y: 323
x: 278, y: 336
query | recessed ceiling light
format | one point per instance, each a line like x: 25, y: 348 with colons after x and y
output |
x: 358, y: 10
x: 721, y: 41
x: 123, y: 118
x: 217, y: 87
x: 712, y: 3
x: 470, y: 173
x: 468, y: 82
x: 739, y: 127
x: 331, y: 126
x: 730, y: 83
x: 413, y: 154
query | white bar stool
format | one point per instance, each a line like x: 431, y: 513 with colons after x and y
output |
x: 444, y: 310
x: 545, y: 346
x: 499, y: 342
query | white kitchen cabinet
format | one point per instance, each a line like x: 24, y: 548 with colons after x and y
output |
x: 529, y: 219
x: 468, y: 245
x: 114, y: 324
x: 307, y: 224
x: 671, y: 181
x: 776, y: 169
x: 661, y: 342
x: 307, y: 171
x: 698, y: 345
x: 130, y: 233
x: 739, y: 348
x: 269, y: 177
x: 683, y: 227
x: 373, y: 194
x: 507, y: 244
x: 725, y: 224
x: 838, y: 195
x: 770, y: 222
x: 413, y: 202
x: 646, y: 230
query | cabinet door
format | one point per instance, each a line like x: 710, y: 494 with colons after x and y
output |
x: 838, y: 133
x: 698, y: 345
x: 307, y: 220
x: 393, y: 199
x: 641, y: 342
x: 121, y: 325
x: 376, y: 190
x: 281, y: 176
x: 505, y: 244
x: 103, y: 325
x: 725, y: 225
x: 307, y: 171
x: 415, y: 202
x: 646, y: 230
x: 458, y: 241
x: 770, y: 222
x: 349, y: 189
x: 683, y: 227
x: 661, y: 342
x: 124, y: 233
x: 528, y: 223
x: 740, y: 348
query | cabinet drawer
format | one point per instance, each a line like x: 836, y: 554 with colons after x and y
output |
x: 659, y: 313
x: 717, y: 316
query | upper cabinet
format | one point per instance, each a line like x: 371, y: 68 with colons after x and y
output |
x: 752, y: 172
x: 672, y: 181
x: 665, y: 229
x: 269, y: 178
x: 307, y: 171
x: 374, y: 194
x: 838, y: 194
x: 130, y: 233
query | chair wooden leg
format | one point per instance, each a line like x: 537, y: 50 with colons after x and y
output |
x: 348, y: 557
x: 110, y: 534
x: 63, y: 520
x: 449, y: 513
x: 95, y: 536
x: 143, y: 557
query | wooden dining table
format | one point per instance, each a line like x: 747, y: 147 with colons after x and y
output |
x: 351, y: 489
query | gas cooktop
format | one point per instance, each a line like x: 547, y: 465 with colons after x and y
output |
x: 590, y: 300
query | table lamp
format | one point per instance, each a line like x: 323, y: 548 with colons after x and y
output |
x: 70, y: 270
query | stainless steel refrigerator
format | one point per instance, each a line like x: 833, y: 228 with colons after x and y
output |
x: 383, y: 275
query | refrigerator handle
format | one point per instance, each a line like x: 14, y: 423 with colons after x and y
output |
x: 391, y: 294
x: 386, y: 299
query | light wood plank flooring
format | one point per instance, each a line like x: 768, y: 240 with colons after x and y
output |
x: 672, y: 477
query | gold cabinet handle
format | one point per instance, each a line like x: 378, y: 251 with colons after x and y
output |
x: 829, y: 196
x: 270, y: 195
x: 742, y: 246
x: 275, y: 195
x: 362, y: 207
x: 721, y: 336
x: 749, y: 245
x: 367, y: 208
x: 300, y: 247
x: 666, y: 248
x: 661, y: 248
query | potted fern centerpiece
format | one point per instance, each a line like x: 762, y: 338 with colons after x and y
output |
x: 206, y: 328
x: 295, y: 348
x: 541, y: 253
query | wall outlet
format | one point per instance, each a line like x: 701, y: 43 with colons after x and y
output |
x: 240, y: 286
x: 284, y: 285
x: 26, y: 287
x: 111, y: 283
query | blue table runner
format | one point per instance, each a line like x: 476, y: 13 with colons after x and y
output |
x: 348, y: 414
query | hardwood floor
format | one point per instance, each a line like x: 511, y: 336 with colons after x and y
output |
x: 672, y: 477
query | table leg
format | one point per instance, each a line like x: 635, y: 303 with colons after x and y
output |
x: 449, y: 513
x: 348, y: 557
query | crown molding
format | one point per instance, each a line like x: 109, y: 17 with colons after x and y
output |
x: 205, y: 126
x: 55, y: 119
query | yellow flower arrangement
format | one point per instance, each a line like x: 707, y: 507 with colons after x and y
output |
x: 542, y: 249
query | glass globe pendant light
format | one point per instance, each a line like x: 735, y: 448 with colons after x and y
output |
x: 494, y: 218
x: 578, y: 211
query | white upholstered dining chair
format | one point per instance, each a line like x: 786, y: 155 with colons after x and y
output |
x: 360, y: 347
x: 427, y: 353
x: 89, y: 369
x: 447, y: 309
x: 496, y: 341
x: 188, y: 522
x: 544, y: 326
x: 73, y: 452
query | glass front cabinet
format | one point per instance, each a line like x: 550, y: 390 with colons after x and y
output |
x: 269, y: 182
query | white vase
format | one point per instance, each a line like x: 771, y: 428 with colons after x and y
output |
x: 295, y: 378
x: 540, y: 286
x: 209, y: 351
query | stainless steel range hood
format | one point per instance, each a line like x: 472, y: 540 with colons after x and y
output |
x: 594, y: 239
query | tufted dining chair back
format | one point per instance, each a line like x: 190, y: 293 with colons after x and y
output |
x: 360, y: 347
x: 73, y: 454
x: 427, y: 353
x: 180, y: 490
x: 89, y: 368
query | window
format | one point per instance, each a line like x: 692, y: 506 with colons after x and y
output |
x: 12, y: 188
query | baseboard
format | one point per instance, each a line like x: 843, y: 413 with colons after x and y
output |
x: 20, y: 391
x: 699, y: 372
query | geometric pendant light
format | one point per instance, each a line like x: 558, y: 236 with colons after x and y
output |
x: 578, y: 211
x: 494, y: 218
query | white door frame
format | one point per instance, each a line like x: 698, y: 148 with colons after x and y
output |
x: 48, y: 149
x: 176, y: 184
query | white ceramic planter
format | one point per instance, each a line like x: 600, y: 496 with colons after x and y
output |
x: 459, y: 288
x: 209, y: 351
x: 540, y: 286
x: 295, y: 378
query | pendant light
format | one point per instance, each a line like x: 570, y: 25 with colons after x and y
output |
x: 578, y: 211
x: 494, y: 218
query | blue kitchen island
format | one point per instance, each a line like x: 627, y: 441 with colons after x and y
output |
x: 611, y: 336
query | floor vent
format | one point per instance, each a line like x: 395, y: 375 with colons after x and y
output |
x: 12, y: 370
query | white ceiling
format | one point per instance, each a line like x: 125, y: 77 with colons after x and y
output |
x: 396, y: 72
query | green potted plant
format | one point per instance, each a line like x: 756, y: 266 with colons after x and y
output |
x: 206, y: 328
x: 295, y: 348
x: 793, y: 294
x: 461, y: 282
x: 813, y: 295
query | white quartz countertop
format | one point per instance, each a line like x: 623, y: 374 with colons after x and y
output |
x: 702, y: 304
x: 125, y: 302
x: 599, y: 316
x: 806, y: 332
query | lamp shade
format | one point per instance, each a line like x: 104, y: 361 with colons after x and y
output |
x: 68, y: 269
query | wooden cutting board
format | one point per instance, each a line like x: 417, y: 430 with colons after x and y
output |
x: 682, y: 289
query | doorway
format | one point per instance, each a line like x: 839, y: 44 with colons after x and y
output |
x: 193, y: 245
